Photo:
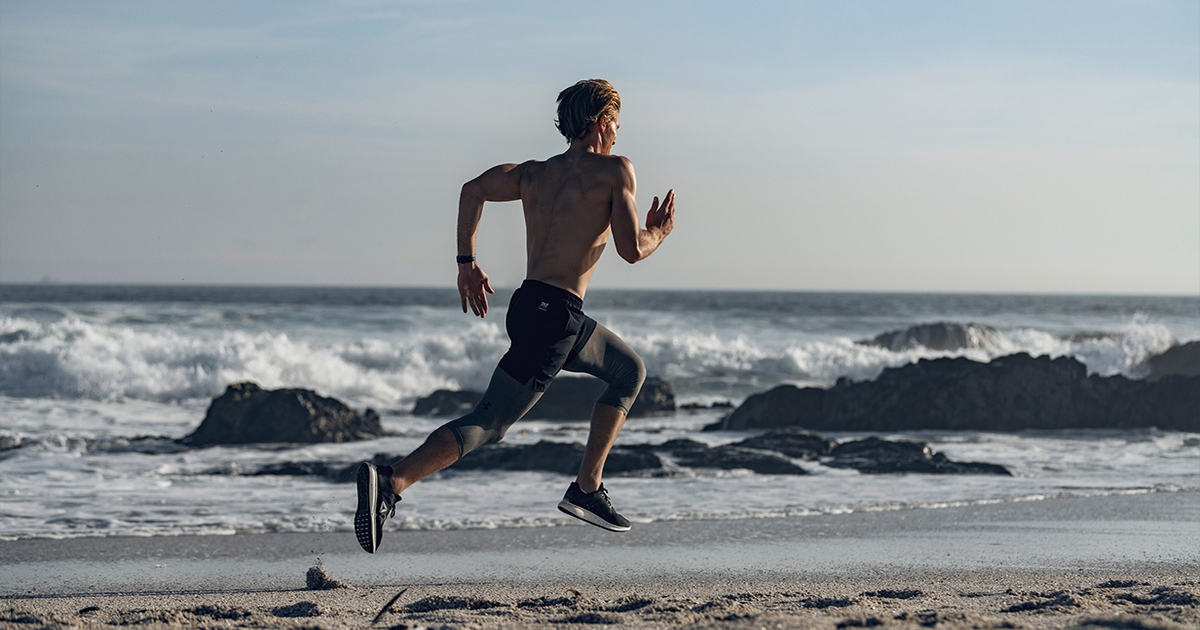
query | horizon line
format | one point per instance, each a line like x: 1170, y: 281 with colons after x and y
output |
x: 251, y: 285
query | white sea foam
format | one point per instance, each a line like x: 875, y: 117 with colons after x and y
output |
x: 73, y: 357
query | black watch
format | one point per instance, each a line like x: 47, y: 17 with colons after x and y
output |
x: 465, y: 259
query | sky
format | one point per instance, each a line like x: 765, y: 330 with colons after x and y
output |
x: 990, y: 146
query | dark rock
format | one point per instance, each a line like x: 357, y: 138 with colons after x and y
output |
x: 567, y: 398
x: 654, y: 399
x: 300, y: 469
x: 769, y: 456
x: 349, y: 473
x: 792, y: 442
x: 145, y: 444
x: 938, y: 336
x: 572, y: 398
x: 1180, y: 360
x: 720, y: 404
x: 246, y: 413
x: 875, y: 456
x: 16, y: 336
x: 730, y: 457
x: 559, y: 457
x: 680, y: 445
x: 564, y: 458
x: 447, y: 403
x: 1008, y: 394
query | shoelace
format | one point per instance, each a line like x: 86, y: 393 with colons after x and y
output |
x: 602, y: 495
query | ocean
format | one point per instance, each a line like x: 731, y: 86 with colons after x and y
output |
x: 85, y: 368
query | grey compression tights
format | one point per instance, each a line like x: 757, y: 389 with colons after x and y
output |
x: 604, y: 356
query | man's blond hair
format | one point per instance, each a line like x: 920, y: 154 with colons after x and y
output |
x: 585, y: 103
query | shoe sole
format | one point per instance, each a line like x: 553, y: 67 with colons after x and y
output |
x: 566, y: 507
x: 365, y: 526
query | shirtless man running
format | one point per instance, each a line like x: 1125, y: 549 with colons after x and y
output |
x: 572, y: 203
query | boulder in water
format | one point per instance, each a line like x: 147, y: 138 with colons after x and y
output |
x: 446, y: 403
x: 572, y: 398
x: 770, y: 455
x: 559, y: 457
x: 247, y: 413
x: 1181, y: 360
x: 654, y: 399
x: 730, y: 457
x: 943, y: 336
x: 1007, y: 394
x: 875, y: 456
x: 567, y: 398
x: 792, y: 442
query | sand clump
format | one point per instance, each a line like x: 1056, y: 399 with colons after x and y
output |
x: 318, y: 579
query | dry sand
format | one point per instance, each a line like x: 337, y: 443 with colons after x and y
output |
x: 1104, y: 562
x: 1146, y: 598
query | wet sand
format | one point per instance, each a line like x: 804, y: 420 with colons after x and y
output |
x: 1124, y: 561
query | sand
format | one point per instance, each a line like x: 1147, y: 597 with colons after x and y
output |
x: 1125, y: 561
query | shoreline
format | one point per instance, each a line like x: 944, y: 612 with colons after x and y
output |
x: 1050, y: 563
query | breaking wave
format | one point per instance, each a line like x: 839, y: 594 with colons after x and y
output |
x: 66, y: 356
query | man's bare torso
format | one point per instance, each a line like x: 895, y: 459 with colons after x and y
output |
x: 568, y: 205
x: 573, y: 202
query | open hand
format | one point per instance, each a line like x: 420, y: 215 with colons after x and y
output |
x: 473, y: 287
x: 662, y: 218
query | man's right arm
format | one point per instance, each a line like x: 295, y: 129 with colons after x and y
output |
x: 499, y: 183
x: 632, y: 242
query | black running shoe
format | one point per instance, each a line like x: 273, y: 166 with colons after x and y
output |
x: 376, y: 502
x: 593, y: 507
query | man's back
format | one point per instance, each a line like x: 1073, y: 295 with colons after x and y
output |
x: 568, y: 207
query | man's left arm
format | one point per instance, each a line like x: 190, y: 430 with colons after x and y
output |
x: 632, y: 242
x: 499, y: 183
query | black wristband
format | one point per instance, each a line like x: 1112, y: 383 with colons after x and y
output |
x: 465, y: 259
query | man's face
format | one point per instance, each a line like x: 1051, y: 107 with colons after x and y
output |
x: 608, y: 134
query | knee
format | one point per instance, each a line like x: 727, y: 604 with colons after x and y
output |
x: 635, y: 375
x: 473, y: 432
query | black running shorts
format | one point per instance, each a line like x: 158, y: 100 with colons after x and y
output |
x: 547, y: 328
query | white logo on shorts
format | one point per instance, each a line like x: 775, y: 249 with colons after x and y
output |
x: 543, y: 306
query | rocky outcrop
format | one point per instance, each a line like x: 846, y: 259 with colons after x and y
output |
x: 1008, y: 394
x: 247, y: 413
x: 768, y: 454
x: 654, y: 399
x: 720, y: 404
x: 1178, y: 360
x: 875, y: 456
x: 567, y: 398
x: 447, y: 403
x: 944, y: 336
x: 792, y: 442
x: 559, y: 457
x: 693, y: 454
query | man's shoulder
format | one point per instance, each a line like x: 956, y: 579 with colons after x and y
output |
x: 614, y: 166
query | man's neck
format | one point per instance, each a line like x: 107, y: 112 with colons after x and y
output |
x: 588, y: 144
